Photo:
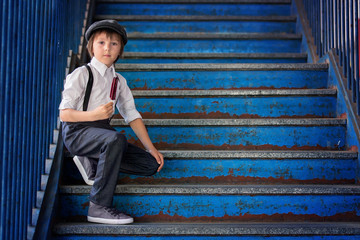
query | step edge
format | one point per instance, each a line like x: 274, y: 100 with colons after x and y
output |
x: 126, y: 67
x: 199, y: 1
x: 235, y: 93
x: 216, y: 229
x: 130, y: 55
x: 259, y: 154
x: 237, y: 190
x: 205, y: 35
x: 196, y: 18
x: 238, y: 122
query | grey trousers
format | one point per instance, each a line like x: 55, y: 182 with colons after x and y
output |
x: 98, y: 140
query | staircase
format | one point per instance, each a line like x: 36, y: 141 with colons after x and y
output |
x: 253, y: 143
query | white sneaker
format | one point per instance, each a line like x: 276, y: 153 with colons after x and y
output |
x: 107, y: 215
x: 85, y: 168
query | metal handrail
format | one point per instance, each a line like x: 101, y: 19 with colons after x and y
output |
x: 335, y: 25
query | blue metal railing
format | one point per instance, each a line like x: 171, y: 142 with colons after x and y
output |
x: 35, y: 39
x: 335, y: 25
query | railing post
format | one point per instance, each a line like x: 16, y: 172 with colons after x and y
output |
x: 351, y: 52
x: 357, y: 55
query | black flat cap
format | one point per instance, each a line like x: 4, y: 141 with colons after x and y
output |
x: 107, y: 24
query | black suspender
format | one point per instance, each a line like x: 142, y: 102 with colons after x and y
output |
x: 88, y: 88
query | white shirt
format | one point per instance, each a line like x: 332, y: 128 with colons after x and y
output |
x: 75, y: 86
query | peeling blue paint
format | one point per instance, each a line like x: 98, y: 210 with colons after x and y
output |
x: 226, y: 79
x: 208, y: 26
x: 213, y: 60
x: 215, y: 45
x: 292, y: 169
x: 194, y: 9
x: 238, y: 207
x: 217, y: 136
x: 232, y: 106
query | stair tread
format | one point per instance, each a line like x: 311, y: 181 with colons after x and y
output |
x: 234, y: 93
x: 224, y: 67
x: 211, y: 55
x: 239, y: 122
x: 196, y: 18
x: 268, y: 154
x: 205, y: 35
x: 217, y: 229
x: 198, y: 1
x: 189, y: 189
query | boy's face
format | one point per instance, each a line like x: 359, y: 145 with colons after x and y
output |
x: 106, y: 48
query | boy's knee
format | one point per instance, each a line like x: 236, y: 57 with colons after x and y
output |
x: 153, y: 166
x: 118, y: 138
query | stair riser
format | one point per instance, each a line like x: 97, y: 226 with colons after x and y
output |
x: 209, y: 26
x: 236, y: 107
x: 250, y: 171
x: 241, y: 171
x: 194, y: 9
x: 223, y: 60
x: 225, y: 79
x: 214, y: 45
x: 73, y: 237
x: 210, y: 208
x: 243, y: 137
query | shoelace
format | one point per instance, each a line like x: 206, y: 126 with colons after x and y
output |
x: 113, y: 211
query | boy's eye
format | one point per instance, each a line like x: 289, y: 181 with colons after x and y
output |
x: 114, y: 43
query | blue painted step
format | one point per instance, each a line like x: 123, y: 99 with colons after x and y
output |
x: 252, y: 170
x: 149, y: 57
x: 242, y: 134
x: 245, y: 167
x: 219, y: 203
x: 219, y: 24
x: 212, y: 8
x: 214, y: 42
x: 188, y: 104
x: 224, y: 76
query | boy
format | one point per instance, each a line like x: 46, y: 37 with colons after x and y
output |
x: 101, y: 152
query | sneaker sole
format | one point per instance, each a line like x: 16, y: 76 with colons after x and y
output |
x: 82, y: 171
x: 110, y: 221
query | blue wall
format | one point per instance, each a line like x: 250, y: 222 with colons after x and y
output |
x: 35, y: 40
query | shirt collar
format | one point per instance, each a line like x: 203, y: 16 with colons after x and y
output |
x: 100, y: 67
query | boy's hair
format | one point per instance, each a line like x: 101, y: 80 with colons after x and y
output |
x: 109, y: 33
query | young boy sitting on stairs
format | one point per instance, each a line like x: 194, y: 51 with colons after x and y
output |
x: 101, y: 152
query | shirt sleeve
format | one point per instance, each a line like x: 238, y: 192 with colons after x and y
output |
x: 125, y: 102
x: 74, y: 89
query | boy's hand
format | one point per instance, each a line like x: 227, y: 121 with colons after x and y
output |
x: 158, y: 156
x: 104, y: 111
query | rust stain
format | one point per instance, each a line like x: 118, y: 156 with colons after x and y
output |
x: 145, y: 87
x: 285, y: 217
x: 85, y: 205
x: 343, y: 116
x: 195, y: 146
x: 217, y: 115
x: 229, y: 180
x: 354, y: 148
